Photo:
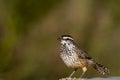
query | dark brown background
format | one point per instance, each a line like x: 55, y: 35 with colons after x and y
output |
x: 29, y: 29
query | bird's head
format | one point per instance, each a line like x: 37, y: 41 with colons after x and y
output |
x: 65, y: 38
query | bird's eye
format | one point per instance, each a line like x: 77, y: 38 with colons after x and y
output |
x: 67, y: 39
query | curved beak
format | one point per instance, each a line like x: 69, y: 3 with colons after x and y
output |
x: 59, y: 38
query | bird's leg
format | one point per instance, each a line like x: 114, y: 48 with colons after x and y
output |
x: 84, y: 70
x: 72, y: 73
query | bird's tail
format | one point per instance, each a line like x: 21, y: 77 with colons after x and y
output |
x: 101, y: 68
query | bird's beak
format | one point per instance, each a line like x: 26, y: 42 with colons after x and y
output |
x: 59, y: 38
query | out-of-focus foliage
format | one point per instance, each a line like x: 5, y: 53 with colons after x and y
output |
x: 29, y: 49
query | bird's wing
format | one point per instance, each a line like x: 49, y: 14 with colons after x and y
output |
x: 84, y: 55
x: 81, y: 53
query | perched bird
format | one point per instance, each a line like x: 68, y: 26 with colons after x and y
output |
x: 76, y: 58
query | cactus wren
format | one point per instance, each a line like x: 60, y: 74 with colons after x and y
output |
x: 75, y: 58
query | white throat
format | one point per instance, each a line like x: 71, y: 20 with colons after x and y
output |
x: 63, y: 42
x: 68, y: 44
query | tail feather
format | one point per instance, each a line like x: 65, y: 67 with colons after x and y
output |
x: 101, y: 68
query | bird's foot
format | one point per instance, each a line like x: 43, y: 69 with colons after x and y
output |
x: 69, y: 78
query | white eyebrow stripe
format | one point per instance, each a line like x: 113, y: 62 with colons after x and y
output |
x: 67, y: 38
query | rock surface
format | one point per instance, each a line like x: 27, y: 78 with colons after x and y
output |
x: 109, y: 78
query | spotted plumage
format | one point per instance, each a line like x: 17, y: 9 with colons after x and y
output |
x: 75, y: 58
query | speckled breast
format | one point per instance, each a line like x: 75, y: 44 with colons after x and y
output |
x: 70, y: 57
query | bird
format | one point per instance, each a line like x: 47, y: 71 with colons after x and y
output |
x: 75, y: 58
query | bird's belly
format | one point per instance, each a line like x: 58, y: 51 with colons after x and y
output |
x: 71, y: 60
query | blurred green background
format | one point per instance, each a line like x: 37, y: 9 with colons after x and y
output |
x: 29, y: 29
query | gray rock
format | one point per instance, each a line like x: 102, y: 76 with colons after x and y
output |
x: 109, y: 78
